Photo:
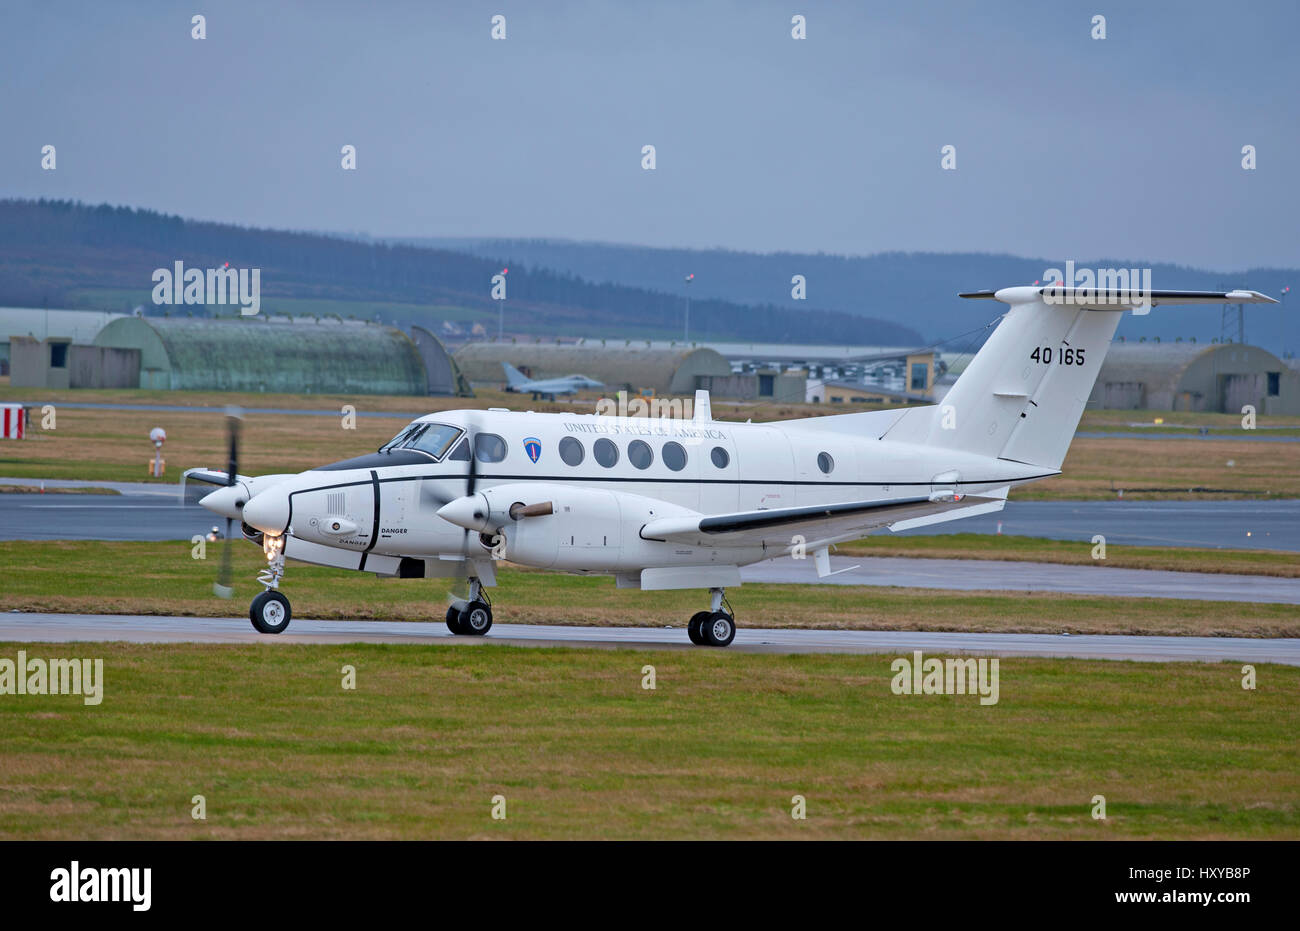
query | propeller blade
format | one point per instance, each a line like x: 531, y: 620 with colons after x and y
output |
x: 222, y: 588
x: 471, y: 481
x: 234, y: 417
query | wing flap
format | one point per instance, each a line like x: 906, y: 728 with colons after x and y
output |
x: 776, y: 526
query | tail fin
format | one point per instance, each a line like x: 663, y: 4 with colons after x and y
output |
x: 514, y: 377
x: 1022, y: 395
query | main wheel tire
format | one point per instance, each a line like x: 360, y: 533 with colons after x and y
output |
x: 270, y: 612
x: 695, y: 628
x: 476, y: 619
x: 719, y: 629
x: 453, y: 620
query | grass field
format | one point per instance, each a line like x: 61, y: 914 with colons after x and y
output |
x: 1182, y: 422
x: 579, y: 749
x: 113, y: 445
x: 1281, y: 563
x: 1171, y: 469
x: 151, y: 578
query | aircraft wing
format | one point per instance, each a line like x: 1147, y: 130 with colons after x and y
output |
x: 776, y: 526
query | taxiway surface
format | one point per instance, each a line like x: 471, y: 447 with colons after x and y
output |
x: 68, y: 628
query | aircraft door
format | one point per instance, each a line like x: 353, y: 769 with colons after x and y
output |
x: 766, y: 469
x: 827, y: 468
x: 715, y: 462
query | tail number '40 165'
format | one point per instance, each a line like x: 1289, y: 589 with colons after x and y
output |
x: 1044, y: 355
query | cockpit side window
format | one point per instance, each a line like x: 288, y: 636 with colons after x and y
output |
x: 460, y: 453
x: 435, y: 440
x: 488, y: 447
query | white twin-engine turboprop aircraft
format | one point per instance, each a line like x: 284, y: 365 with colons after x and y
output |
x: 672, y: 504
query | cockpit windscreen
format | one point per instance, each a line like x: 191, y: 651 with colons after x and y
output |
x: 433, y: 439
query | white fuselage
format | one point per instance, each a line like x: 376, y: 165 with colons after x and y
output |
x: 601, y: 501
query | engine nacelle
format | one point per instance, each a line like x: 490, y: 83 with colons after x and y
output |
x: 591, y: 529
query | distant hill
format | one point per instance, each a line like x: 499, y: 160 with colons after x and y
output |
x: 918, y: 288
x: 73, y: 255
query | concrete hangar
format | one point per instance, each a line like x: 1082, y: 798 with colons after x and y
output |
x: 256, y: 353
x: 665, y: 370
x: 1185, y: 376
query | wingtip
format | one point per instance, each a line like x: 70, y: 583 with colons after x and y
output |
x: 1247, y: 296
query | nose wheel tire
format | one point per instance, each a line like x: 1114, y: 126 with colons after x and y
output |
x: 476, y: 619
x: 270, y: 612
x: 719, y: 629
x: 453, y: 620
x: 695, y: 629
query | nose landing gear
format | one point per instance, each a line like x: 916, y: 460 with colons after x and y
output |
x: 270, y: 611
x: 471, y: 618
x: 715, y: 628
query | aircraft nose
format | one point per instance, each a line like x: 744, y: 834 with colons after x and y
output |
x: 227, y: 501
x: 268, y: 512
x: 470, y: 512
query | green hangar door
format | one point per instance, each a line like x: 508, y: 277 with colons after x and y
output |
x: 1239, y: 389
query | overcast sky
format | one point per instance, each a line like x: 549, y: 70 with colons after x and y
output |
x: 1066, y: 146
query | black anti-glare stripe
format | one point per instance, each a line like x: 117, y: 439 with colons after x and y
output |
x: 374, y: 529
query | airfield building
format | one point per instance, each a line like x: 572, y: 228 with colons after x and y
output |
x: 1185, y: 376
x: 619, y: 364
x: 55, y: 328
x: 303, y: 355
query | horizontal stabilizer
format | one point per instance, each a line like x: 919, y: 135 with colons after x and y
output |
x: 1103, y: 298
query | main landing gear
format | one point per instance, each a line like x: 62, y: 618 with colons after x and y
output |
x: 715, y: 628
x: 270, y: 611
x: 471, y: 618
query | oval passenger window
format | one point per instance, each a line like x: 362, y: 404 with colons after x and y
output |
x: 639, y: 454
x: 674, y: 456
x: 606, y: 453
x: 571, y: 451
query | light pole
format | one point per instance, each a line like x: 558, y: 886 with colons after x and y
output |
x: 501, y: 306
x: 1281, y: 298
x: 686, y: 332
